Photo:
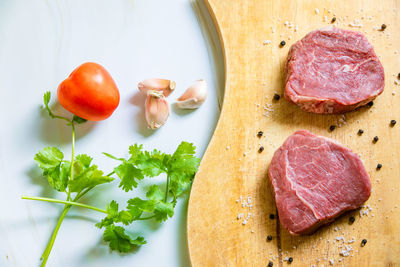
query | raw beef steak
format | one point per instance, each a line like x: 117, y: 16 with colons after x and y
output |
x: 314, y: 180
x: 332, y: 70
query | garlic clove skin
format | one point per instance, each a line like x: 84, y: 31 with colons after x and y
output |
x: 156, y: 109
x: 155, y: 84
x: 194, y: 96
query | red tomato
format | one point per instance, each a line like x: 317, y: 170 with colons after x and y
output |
x: 89, y: 92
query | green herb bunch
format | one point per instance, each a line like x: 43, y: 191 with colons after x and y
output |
x: 78, y: 176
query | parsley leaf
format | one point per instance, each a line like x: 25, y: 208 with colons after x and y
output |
x: 119, y: 240
x: 86, y: 175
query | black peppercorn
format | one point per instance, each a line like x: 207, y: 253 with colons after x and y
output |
x: 283, y: 43
x: 269, y: 237
x: 370, y: 104
x: 363, y: 242
x: 333, y: 20
x: 383, y: 27
x: 379, y: 166
x: 277, y: 97
x: 260, y: 133
x: 398, y: 76
x: 290, y: 260
x: 270, y: 264
x: 376, y: 138
x: 261, y: 149
x: 360, y: 131
x: 272, y: 216
x: 352, y: 219
x: 392, y: 122
x: 332, y: 127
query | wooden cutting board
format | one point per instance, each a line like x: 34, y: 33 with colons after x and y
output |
x: 233, y: 173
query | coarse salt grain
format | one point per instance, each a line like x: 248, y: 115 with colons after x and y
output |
x: 356, y: 24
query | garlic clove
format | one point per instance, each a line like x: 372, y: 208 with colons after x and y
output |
x: 194, y: 96
x: 166, y: 86
x: 156, y: 109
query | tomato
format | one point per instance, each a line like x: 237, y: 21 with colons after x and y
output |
x: 89, y: 92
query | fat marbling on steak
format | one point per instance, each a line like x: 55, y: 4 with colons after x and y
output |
x: 332, y: 70
x: 315, y: 179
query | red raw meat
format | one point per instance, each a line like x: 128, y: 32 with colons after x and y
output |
x: 332, y: 70
x: 315, y: 179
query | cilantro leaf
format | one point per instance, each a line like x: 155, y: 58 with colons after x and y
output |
x: 115, y: 216
x: 152, y: 164
x: 46, y: 98
x: 125, y: 217
x: 86, y: 175
x: 135, y: 151
x: 182, y: 168
x: 84, y: 159
x: 155, y: 204
x: 179, y: 183
x: 49, y: 158
x: 163, y: 210
x: 143, y: 205
x: 183, y: 159
x: 119, y: 240
x: 154, y: 192
x: 129, y: 175
x: 58, y: 179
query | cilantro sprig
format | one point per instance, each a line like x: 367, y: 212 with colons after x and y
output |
x: 78, y: 176
x: 159, y: 204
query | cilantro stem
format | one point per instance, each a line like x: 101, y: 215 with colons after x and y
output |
x: 68, y: 203
x: 146, y: 218
x: 111, y: 173
x: 49, y: 246
x: 52, y: 115
x: 166, y: 189
x: 72, y: 157
x: 81, y: 194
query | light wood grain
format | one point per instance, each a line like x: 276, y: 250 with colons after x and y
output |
x: 253, y: 73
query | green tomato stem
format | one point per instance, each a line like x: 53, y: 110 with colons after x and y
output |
x: 67, y: 203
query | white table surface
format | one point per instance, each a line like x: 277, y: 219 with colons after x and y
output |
x: 41, y: 42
